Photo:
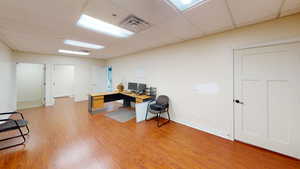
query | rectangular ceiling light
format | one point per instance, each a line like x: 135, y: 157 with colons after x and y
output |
x: 185, y: 4
x: 83, y: 44
x: 98, y: 25
x: 73, y: 52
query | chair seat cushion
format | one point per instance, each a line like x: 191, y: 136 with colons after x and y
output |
x: 157, y: 107
x: 11, y: 125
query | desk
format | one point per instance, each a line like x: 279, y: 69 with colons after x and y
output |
x: 97, y: 100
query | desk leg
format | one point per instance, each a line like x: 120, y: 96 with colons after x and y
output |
x: 140, y: 111
x: 90, y: 109
x: 126, y: 103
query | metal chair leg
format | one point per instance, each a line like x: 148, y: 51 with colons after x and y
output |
x: 20, y: 144
x: 158, y: 116
x: 27, y: 130
x: 146, y: 115
x: 159, y: 125
x: 26, y: 125
x: 24, y: 139
x: 10, y: 138
x: 15, y: 145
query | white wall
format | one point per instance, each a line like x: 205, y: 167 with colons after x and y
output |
x: 8, y: 80
x: 97, y: 79
x: 82, y: 85
x: 197, y: 75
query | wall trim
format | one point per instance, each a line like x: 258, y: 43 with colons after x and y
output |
x: 79, y: 99
x: 266, y: 44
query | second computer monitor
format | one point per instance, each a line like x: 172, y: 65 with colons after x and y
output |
x: 132, y: 86
x: 142, y: 87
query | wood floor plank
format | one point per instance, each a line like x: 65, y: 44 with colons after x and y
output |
x: 66, y: 136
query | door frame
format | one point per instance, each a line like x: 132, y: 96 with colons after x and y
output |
x: 235, y: 75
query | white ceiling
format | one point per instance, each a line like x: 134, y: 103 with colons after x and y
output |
x: 41, y: 25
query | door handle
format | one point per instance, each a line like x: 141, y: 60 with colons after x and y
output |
x: 238, y: 101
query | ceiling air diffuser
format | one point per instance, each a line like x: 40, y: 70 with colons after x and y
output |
x: 134, y: 24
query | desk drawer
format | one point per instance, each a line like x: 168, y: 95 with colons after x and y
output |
x: 98, y: 103
x: 139, y: 100
x: 98, y: 97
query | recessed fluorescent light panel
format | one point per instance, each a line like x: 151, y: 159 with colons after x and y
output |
x: 73, y: 52
x: 185, y: 4
x: 83, y: 44
x: 98, y: 25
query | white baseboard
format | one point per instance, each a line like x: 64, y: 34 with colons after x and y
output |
x: 50, y: 104
x: 207, y: 130
x: 80, y: 99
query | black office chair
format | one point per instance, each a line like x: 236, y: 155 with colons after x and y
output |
x: 11, y: 124
x: 159, y: 106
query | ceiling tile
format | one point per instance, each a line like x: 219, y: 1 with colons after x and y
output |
x: 152, y: 11
x: 182, y: 28
x: 148, y: 39
x: 290, y: 7
x: 104, y: 10
x: 28, y: 28
x: 211, y: 17
x: 54, y: 15
x: 247, y: 12
x: 81, y: 34
x: 7, y: 41
x: 153, y: 37
x: 36, y: 44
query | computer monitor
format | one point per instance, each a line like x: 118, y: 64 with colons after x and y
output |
x: 132, y: 86
x: 142, y: 87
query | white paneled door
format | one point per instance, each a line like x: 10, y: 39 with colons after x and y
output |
x: 63, y: 77
x: 267, y: 97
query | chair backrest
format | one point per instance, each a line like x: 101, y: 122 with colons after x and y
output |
x: 153, y: 91
x: 162, y: 99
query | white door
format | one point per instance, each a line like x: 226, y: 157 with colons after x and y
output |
x: 98, y: 79
x: 267, y: 85
x: 30, y: 85
x: 63, y: 77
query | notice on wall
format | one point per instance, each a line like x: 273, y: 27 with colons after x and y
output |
x: 207, y: 88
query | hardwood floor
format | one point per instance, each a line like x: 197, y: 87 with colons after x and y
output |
x: 66, y: 136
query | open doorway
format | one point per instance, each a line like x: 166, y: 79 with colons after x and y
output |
x: 63, y: 79
x: 30, y: 85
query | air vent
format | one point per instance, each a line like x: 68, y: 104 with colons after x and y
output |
x: 134, y: 24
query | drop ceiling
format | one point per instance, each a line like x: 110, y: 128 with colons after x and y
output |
x: 41, y: 26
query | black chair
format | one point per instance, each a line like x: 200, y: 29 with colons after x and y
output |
x: 11, y: 124
x: 159, y: 106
